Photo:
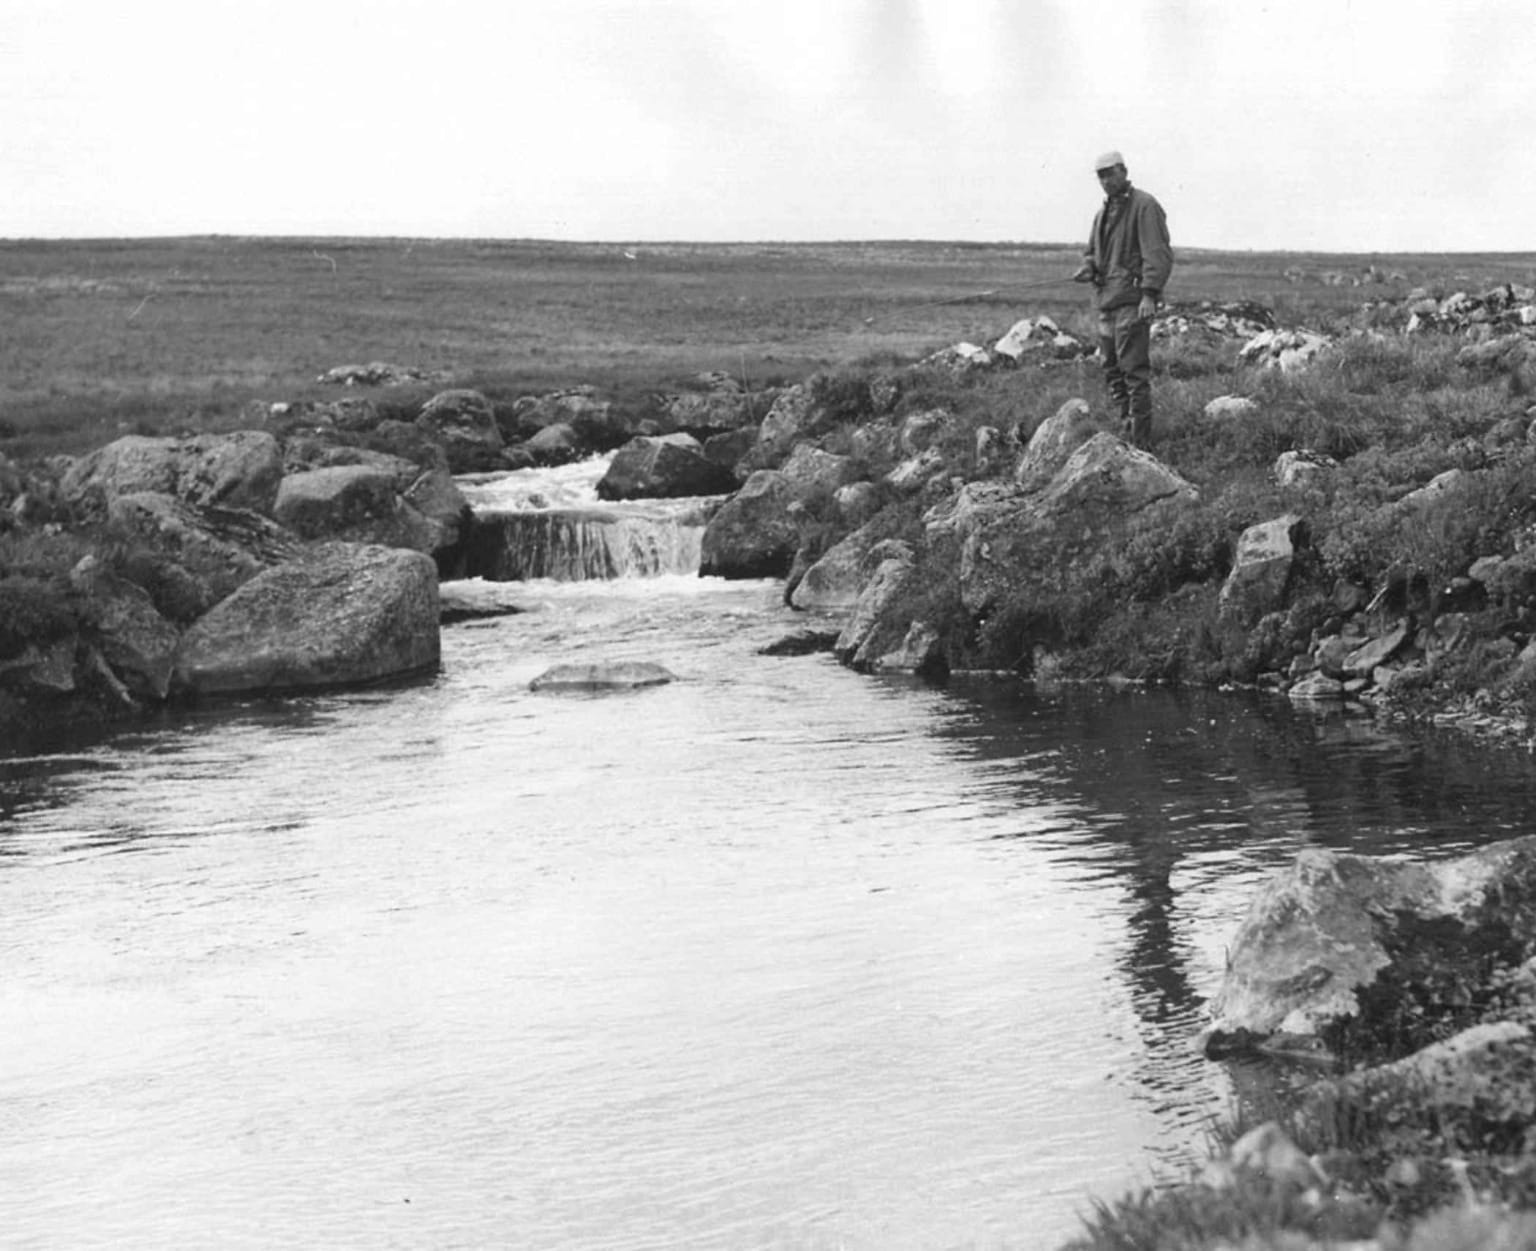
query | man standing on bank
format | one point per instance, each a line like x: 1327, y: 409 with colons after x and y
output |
x: 1128, y: 260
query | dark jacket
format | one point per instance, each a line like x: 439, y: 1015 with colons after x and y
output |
x: 1131, y: 257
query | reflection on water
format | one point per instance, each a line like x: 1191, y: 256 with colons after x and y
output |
x: 776, y: 955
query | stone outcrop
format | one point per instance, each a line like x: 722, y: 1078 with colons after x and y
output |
x: 1344, y: 940
x: 663, y: 467
x: 341, y: 614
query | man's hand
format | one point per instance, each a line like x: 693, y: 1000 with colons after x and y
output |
x: 1147, y: 309
x: 1084, y: 272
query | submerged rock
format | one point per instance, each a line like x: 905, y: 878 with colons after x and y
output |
x: 602, y: 676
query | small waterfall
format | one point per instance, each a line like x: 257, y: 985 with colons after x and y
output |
x: 547, y: 523
x: 578, y: 544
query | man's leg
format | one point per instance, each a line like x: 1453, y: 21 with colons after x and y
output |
x: 1133, y: 352
x: 1114, y: 379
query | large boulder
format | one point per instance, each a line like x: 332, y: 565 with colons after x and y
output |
x: 203, y: 553
x: 356, y: 503
x: 752, y: 535
x: 663, y: 467
x: 342, y: 614
x: 464, y: 422
x: 1345, y: 942
x: 875, y: 627
x: 834, y: 583
x: 238, y: 470
x: 1102, y: 483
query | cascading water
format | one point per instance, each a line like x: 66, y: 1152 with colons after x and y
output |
x: 550, y: 524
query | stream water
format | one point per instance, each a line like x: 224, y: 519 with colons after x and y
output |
x: 774, y: 956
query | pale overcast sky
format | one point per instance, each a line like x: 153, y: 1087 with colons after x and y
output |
x: 1361, y: 125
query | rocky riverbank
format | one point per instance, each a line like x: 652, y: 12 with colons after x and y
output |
x: 1339, y: 514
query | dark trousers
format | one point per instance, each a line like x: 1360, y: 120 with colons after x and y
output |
x: 1125, y: 342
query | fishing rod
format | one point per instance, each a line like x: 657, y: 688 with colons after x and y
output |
x: 974, y: 295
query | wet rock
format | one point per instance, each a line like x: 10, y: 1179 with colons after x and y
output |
x: 603, y: 676
x: 464, y: 422
x: 668, y: 466
x: 835, y: 581
x: 921, y: 652
x: 1339, y: 938
x: 752, y: 535
x: 872, y: 629
x: 801, y: 643
x: 557, y: 444
x: 1316, y: 688
x: 341, y: 614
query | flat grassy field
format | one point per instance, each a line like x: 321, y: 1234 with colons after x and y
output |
x: 102, y: 337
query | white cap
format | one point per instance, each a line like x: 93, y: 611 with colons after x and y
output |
x: 1108, y: 161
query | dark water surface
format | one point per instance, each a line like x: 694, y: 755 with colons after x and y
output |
x: 775, y: 956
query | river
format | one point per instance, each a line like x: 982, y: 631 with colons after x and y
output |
x: 777, y: 955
